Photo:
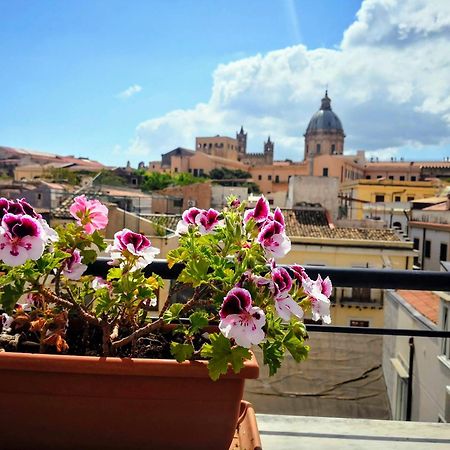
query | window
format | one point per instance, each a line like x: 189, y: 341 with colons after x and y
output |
x: 270, y: 201
x: 361, y: 295
x: 195, y: 172
x: 410, y: 198
x: 379, y: 176
x: 318, y: 148
x: 359, y: 323
x: 325, y: 172
x: 413, y: 178
x: 416, y: 243
x: 190, y: 170
x: 269, y: 177
x: 379, y: 198
x: 176, y: 169
x: 134, y: 181
x: 277, y: 179
x: 401, y: 398
x: 333, y: 149
x: 397, y: 198
x: 391, y: 177
x: 39, y: 196
x: 402, y: 178
x: 443, y: 252
x: 200, y: 172
x: 178, y: 202
x: 259, y: 177
x: 368, y: 177
x: 427, y: 249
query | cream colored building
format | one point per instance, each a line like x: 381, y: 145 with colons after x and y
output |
x: 356, y: 194
x: 418, y: 310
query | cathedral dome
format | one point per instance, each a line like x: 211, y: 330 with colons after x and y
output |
x: 325, y: 119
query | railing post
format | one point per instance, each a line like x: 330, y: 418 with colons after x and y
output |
x: 410, y: 379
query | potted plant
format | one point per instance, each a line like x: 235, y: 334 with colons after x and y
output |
x: 85, y: 365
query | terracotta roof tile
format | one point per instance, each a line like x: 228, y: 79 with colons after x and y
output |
x: 313, y: 223
x: 425, y: 302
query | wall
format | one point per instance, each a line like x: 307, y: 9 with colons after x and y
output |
x: 197, y: 194
x: 219, y: 194
x: 347, y: 256
x: 323, y: 190
x: 365, y: 191
x: 430, y: 376
x: 436, y: 234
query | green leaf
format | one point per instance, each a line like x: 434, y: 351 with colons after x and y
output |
x: 98, y: 240
x: 10, y: 295
x: 296, y: 346
x: 220, y: 354
x: 114, y: 274
x: 199, y: 320
x: 273, y: 353
x: 181, y: 352
x: 89, y: 256
x: 173, y: 312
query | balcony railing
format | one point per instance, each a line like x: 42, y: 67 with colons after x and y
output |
x: 345, y: 278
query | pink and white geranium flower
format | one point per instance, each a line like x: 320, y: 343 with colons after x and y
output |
x: 128, y: 244
x: 241, y: 321
x: 207, y: 221
x: 286, y: 306
x: 73, y: 267
x: 259, y: 213
x: 21, y: 238
x: 90, y: 214
x: 274, y: 240
x: 281, y: 280
x: 319, y: 292
x: 187, y: 219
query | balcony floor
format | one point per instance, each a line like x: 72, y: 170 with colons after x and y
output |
x: 280, y: 432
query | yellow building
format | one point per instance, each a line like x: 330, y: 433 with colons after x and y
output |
x: 316, y: 242
x: 358, y: 193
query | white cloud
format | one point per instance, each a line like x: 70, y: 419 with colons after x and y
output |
x: 388, y: 81
x: 129, y: 92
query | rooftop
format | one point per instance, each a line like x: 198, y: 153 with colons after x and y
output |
x: 313, y: 223
x: 424, y: 302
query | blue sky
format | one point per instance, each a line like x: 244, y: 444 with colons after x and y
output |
x: 67, y: 67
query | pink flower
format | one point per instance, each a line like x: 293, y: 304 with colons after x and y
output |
x: 207, y: 221
x: 128, y: 243
x: 21, y: 238
x: 241, y: 321
x: 259, y: 213
x: 73, y: 267
x: 188, y: 218
x: 278, y: 217
x: 6, y: 322
x: 299, y: 273
x: 286, y: 306
x: 273, y: 239
x: 318, y: 292
x: 281, y: 279
x: 90, y: 214
x: 99, y: 283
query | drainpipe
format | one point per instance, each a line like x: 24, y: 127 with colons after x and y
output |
x: 410, y: 379
x: 424, y: 234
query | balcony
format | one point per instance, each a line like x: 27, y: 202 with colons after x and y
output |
x: 288, y: 415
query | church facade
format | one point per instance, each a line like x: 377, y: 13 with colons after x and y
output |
x: 323, y: 155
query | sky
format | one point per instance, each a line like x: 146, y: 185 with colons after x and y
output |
x: 117, y: 80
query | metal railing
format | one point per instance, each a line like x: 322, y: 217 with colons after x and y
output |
x: 344, y: 277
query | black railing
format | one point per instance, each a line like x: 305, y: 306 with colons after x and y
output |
x: 343, y: 277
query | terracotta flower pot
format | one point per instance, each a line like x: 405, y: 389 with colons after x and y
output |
x: 82, y: 403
